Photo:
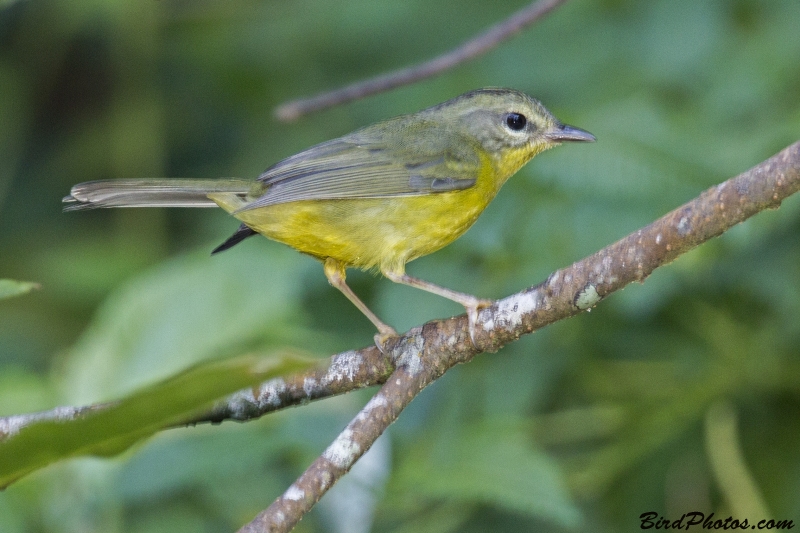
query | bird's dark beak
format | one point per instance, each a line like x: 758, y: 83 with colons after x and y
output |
x: 565, y: 133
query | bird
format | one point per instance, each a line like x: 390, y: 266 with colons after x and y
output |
x: 376, y: 198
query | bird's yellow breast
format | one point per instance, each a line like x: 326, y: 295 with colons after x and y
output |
x: 369, y: 233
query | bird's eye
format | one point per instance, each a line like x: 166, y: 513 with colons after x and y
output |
x: 515, y: 121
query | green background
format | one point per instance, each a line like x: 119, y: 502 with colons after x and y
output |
x: 581, y: 427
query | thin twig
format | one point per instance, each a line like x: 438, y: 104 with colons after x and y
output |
x: 343, y: 372
x: 425, y: 353
x: 476, y: 46
x: 11, y: 425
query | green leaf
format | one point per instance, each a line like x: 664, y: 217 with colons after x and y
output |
x: 10, y: 288
x: 111, y: 430
x: 186, y: 310
x: 490, y: 463
x: 443, y: 518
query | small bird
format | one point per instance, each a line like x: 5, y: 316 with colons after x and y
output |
x: 375, y: 198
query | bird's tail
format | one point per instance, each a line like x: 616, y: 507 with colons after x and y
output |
x: 157, y: 192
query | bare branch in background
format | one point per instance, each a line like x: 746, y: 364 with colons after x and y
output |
x: 476, y: 46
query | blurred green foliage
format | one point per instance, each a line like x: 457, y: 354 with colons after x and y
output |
x: 113, y: 428
x: 10, y: 288
x: 583, y: 426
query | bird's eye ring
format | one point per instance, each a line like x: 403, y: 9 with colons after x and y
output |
x: 515, y: 121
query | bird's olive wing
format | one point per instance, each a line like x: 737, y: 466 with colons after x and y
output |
x: 365, y: 164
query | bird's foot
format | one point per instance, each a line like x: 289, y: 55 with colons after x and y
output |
x: 384, y: 334
x: 472, y: 308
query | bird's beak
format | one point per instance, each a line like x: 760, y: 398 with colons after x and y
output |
x: 565, y: 133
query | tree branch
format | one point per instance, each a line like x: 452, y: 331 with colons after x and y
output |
x: 343, y: 373
x: 420, y: 362
x: 426, y: 353
x: 10, y: 425
x: 633, y: 258
x: 474, y: 47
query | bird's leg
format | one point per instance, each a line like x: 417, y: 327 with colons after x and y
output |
x: 470, y: 303
x: 335, y: 272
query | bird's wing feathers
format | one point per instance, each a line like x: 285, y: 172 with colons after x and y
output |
x: 364, y: 165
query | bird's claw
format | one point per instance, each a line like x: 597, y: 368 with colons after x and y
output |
x: 383, y: 335
x: 472, y: 315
